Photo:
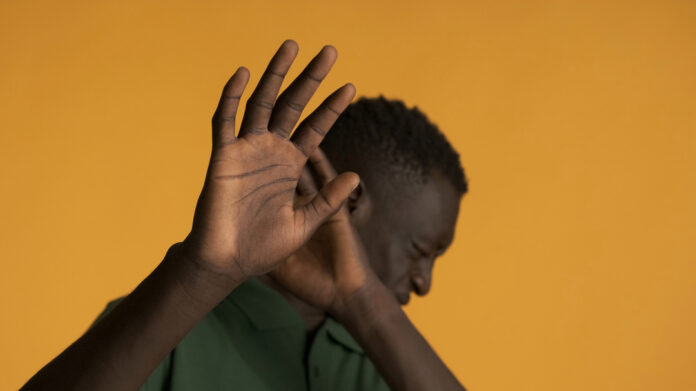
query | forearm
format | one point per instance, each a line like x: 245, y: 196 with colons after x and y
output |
x: 123, y: 348
x: 397, y: 349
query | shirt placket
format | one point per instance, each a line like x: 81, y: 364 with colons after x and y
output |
x: 317, y: 362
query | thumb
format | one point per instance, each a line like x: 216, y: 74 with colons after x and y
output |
x: 328, y: 200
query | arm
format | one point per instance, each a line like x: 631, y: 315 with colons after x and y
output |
x: 122, y: 349
x: 400, y: 353
x: 331, y: 271
x: 245, y: 223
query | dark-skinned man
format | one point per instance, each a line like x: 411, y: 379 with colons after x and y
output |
x: 261, y: 214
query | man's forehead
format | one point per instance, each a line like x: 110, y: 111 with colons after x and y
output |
x: 430, y: 219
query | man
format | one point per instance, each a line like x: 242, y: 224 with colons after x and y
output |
x: 273, y: 286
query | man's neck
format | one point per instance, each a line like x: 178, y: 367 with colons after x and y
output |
x: 312, y: 316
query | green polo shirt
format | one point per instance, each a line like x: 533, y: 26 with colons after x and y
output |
x: 255, y: 340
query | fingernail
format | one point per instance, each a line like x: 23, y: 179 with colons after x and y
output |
x: 356, y: 183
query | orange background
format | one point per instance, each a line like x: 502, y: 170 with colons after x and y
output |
x: 574, y: 263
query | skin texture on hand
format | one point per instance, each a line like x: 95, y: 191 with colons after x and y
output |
x: 246, y: 221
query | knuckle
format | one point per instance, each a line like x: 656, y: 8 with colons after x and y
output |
x: 263, y: 104
x: 324, y: 201
x: 282, y: 132
x: 332, y: 110
x: 231, y: 98
x: 314, y: 78
x: 296, y: 107
x: 302, y: 149
x: 316, y: 129
x: 277, y: 74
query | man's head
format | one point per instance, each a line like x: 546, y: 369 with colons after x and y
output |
x: 406, y: 206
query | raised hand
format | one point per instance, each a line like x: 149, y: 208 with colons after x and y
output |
x: 246, y: 221
x: 332, y: 272
x: 332, y: 266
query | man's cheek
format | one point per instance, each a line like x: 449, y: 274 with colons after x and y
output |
x: 401, y: 272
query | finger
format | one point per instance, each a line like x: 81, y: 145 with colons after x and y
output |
x: 322, y: 166
x: 293, y: 100
x: 327, y: 201
x: 305, y: 184
x: 226, y: 112
x: 260, y: 103
x: 313, y: 129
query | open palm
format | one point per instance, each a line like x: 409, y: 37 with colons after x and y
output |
x: 246, y: 221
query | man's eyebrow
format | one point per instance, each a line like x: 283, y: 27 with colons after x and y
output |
x: 424, y: 243
x: 420, y: 243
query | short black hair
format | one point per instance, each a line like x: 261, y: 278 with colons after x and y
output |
x: 383, y: 134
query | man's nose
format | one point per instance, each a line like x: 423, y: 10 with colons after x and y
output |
x: 422, y: 277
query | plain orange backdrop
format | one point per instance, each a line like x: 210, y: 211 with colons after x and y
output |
x: 573, y: 266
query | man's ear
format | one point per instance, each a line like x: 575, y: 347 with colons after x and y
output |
x: 359, y: 204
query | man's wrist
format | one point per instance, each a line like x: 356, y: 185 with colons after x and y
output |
x: 369, y: 307
x: 199, y: 285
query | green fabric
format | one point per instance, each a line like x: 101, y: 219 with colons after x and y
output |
x: 255, y: 340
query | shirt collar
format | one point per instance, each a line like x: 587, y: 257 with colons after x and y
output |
x: 267, y: 309
x: 264, y: 306
x: 339, y: 334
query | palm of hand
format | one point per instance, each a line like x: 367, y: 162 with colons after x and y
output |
x: 245, y: 220
x: 250, y: 200
x: 332, y: 264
